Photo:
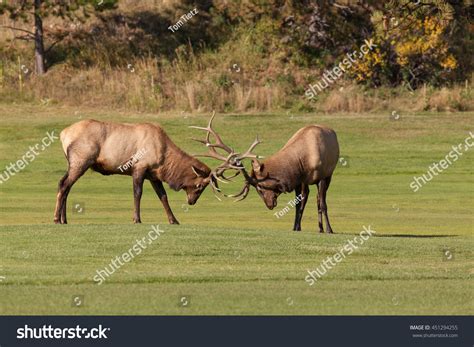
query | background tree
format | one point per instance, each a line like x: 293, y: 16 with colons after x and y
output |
x: 419, y: 42
x: 27, y: 11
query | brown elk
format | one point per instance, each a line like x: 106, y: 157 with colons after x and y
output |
x: 143, y: 151
x: 309, y: 157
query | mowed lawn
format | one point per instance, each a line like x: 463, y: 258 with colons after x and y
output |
x: 238, y: 258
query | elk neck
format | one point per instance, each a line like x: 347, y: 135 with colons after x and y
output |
x: 177, y: 167
x: 287, y: 167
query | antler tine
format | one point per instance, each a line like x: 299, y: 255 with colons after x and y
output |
x: 229, y: 178
x: 220, y: 144
x: 213, y: 153
x: 200, y: 141
x: 218, y: 173
x: 209, y: 125
x: 242, y: 194
x: 215, y: 190
x: 207, y: 143
x: 217, y: 176
x: 247, y: 190
x: 248, y: 153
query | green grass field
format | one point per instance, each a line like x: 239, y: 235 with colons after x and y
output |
x: 238, y: 258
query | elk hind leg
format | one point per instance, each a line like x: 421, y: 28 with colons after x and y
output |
x: 64, y: 187
x: 320, y: 211
x: 57, y: 210
x: 325, y: 186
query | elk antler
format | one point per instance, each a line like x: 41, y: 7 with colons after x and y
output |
x: 241, y: 168
x: 212, y: 147
x: 242, y: 194
x: 231, y: 161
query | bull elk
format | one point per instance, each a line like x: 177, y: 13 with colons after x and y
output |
x: 143, y: 151
x: 309, y: 157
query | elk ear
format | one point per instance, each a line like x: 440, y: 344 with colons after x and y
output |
x: 256, y: 166
x: 198, y: 172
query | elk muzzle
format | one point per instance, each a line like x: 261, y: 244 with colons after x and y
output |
x: 269, y: 197
x: 192, y: 197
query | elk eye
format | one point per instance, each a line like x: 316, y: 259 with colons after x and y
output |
x: 199, y: 186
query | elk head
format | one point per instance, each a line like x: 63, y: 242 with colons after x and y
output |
x: 268, y: 187
x: 197, y: 185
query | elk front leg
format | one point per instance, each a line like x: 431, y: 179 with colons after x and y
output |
x: 138, y: 178
x: 301, y: 193
x: 161, y: 192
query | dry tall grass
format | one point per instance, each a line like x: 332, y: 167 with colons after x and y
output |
x: 144, y: 86
x: 353, y: 98
x: 99, y: 76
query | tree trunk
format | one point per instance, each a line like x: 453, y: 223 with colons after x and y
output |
x: 40, y: 65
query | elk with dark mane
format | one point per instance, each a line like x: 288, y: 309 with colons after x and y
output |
x: 112, y: 148
x: 309, y: 157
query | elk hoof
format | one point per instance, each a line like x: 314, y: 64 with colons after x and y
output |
x: 137, y: 221
x: 175, y: 221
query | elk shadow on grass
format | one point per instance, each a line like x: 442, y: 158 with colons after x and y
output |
x: 429, y: 236
x: 416, y: 236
